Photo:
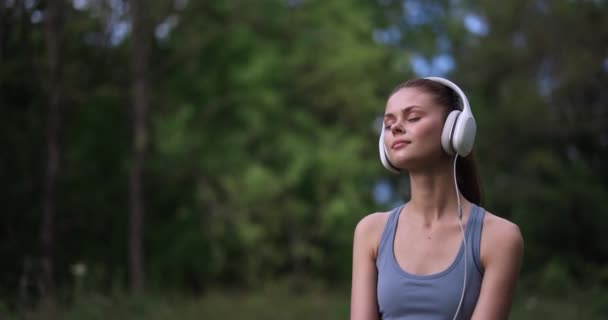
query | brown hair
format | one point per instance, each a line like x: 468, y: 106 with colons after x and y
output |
x: 467, y: 174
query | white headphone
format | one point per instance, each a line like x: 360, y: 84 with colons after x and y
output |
x: 458, y: 135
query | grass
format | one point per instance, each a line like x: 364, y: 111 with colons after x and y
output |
x: 276, y: 303
x: 564, y: 304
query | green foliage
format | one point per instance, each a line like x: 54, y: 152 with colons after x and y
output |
x: 271, y: 129
x: 555, y: 279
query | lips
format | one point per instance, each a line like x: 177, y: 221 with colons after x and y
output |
x: 400, y: 144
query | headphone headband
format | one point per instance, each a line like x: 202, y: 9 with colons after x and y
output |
x: 466, y: 108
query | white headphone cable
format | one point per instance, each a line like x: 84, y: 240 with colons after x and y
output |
x: 464, y: 242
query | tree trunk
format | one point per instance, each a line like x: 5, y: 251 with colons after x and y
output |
x: 54, y: 41
x: 4, y: 24
x: 139, y: 65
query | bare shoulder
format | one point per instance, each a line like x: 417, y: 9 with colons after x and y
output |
x: 500, y: 236
x: 369, y: 230
x: 371, y: 223
x: 501, y: 229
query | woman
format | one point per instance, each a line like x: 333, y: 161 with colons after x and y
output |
x: 440, y: 255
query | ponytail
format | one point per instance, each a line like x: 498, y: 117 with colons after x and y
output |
x: 468, y: 179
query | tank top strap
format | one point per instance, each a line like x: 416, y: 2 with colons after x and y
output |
x: 474, y: 241
x: 385, y: 247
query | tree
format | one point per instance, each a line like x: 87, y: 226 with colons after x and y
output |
x: 54, y: 44
x: 140, y: 103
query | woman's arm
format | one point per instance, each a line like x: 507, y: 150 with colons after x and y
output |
x: 363, y: 302
x: 501, y: 255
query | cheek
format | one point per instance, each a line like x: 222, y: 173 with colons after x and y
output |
x: 386, y: 135
x: 429, y: 132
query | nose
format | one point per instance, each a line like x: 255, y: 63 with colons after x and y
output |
x: 397, y: 128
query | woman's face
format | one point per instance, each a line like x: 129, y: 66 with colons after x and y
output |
x: 412, y: 129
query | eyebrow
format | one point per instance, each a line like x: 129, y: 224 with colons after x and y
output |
x: 404, y: 110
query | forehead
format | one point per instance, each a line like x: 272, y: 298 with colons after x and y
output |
x: 410, y: 97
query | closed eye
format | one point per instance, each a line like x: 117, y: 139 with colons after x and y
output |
x: 414, y: 119
x: 388, y: 124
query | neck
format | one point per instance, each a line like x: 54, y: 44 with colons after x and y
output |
x: 433, y: 194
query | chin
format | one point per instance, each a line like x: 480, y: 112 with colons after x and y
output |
x: 407, y: 164
x: 411, y: 162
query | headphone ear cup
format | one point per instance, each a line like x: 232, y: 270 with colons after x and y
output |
x: 447, y: 132
x: 463, y: 136
x: 384, y: 155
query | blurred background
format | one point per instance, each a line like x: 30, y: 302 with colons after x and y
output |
x: 210, y: 159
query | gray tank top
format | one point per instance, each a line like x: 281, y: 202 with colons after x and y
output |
x: 402, y: 295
